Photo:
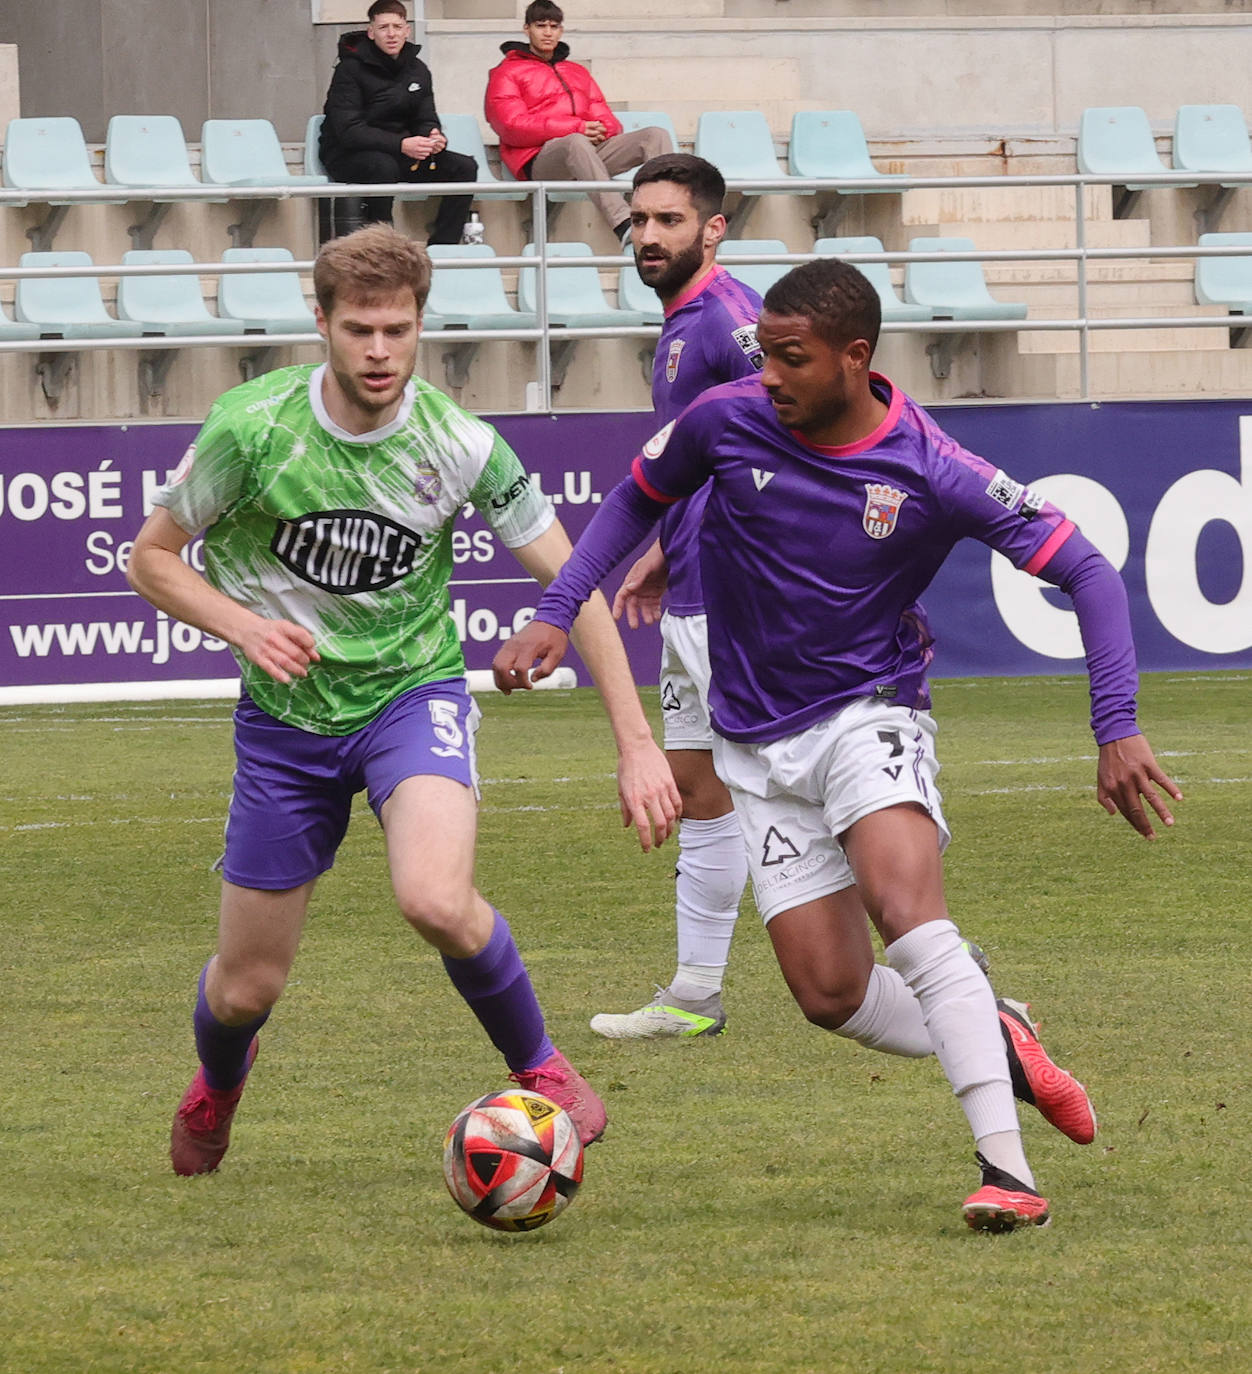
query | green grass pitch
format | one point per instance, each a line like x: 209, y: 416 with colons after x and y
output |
x: 773, y: 1200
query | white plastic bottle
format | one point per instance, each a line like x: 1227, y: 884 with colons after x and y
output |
x: 473, y: 231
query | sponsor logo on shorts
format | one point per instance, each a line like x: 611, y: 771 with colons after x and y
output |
x: 346, y: 551
x: 1004, y: 489
x: 745, y: 337
x: 793, y: 874
x: 670, y: 700
x: 676, y: 347
x: 882, y: 509
x: 777, y: 848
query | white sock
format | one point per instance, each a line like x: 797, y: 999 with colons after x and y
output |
x: 889, y: 1019
x: 959, y: 1009
x: 712, y: 873
x: 695, y: 982
x: 1004, y: 1150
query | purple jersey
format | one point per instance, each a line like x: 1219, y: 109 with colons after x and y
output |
x: 709, y: 338
x: 813, y: 558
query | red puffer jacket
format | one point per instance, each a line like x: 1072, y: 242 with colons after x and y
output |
x: 530, y: 101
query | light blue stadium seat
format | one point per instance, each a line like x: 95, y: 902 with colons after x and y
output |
x: 633, y: 294
x: 954, y: 290
x: 13, y: 330
x: 246, y: 152
x: 1225, y: 281
x: 631, y: 120
x: 47, y: 155
x: 475, y: 299
x: 147, y: 151
x: 831, y: 143
x: 878, y: 273
x: 465, y: 136
x: 1117, y: 140
x: 67, y: 307
x: 738, y: 143
x: 312, y: 148
x: 167, y: 305
x: 575, y: 297
x: 1212, y: 138
x: 760, y: 276
x: 264, y: 302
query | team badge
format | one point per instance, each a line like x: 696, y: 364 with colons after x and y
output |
x: 676, y: 347
x: 656, y: 445
x: 882, y: 509
x: 427, y: 485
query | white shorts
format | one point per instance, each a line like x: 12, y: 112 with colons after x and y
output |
x: 685, y: 675
x: 794, y: 795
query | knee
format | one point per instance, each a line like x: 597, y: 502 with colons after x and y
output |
x: 829, y: 1005
x: 368, y: 167
x: 443, y: 918
x: 244, y: 994
x: 461, y: 167
x: 657, y: 141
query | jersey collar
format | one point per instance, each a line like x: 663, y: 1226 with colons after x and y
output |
x: 373, y: 436
x: 895, y: 404
x: 695, y: 289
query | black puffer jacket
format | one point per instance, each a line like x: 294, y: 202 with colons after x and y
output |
x: 375, y: 101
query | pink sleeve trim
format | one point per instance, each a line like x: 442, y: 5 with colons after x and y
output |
x: 1043, y: 557
x: 636, y: 471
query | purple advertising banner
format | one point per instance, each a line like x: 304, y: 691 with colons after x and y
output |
x: 1164, y: 489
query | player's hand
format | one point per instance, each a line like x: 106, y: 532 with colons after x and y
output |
x: 281, y: 649
x: 1126, y: 773
x: 530, y: 656
x: 639, y: 596
x: 648, y: 795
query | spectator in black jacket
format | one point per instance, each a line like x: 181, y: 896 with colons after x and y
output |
x: 381, y: 123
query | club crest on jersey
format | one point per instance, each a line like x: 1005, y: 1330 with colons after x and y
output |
x: 427, y: 485
x: 882, y: 509
x: 184, y: 466
x: 676, y: 347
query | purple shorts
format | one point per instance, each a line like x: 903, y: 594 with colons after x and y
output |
x: 293, y: 789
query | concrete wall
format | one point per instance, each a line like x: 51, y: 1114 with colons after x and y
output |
x: 10, y: 91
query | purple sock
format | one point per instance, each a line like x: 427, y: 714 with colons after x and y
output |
x: 497, y: 987
x: 223, y: 1050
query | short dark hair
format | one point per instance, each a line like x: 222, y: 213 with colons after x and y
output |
x: 366, y: 266
x: 703, y: 181
x: 387, y: 7
x: 539, y: 10
x: 833, y: 296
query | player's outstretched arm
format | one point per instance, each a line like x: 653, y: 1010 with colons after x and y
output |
x: 160, y: 576
x: 649, y: 799
x: 639, y: 596
x: 1126, y: 775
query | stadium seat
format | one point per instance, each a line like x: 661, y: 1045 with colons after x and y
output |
x: 575, y: 301
x: 878, y: 273
x: 954, y: 290
x: 1226, y: 281
x: 644, y: 119
x: 1212, y: 138
x: 465, y: 136
x: 167, y: 305
x: 43, y: 156
x: 760, y: 276
x: 740, y: 145
x: 831, y: 144
x: 312, y: 148
x: 67, y: 307
x: 147, y: 151
x: 470, y: 299
x: 632, y: 294
x: 246, y: 152
x: 13, y: 331
x: 1117, y: 140
x: 264, y: 302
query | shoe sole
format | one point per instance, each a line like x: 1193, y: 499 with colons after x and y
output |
x: 1057, y: 1095
x: 1000, y: 1220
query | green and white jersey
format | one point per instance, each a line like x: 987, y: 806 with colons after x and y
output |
x: 348, y: 535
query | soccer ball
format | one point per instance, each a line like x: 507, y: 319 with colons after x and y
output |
x: 513, y: 1160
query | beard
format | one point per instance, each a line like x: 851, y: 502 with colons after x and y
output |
x: 666, y: 275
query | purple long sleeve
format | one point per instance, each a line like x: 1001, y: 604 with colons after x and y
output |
x: 625, y: 516
x: 1091, y: 582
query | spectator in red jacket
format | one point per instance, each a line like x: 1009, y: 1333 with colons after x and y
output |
x: 553, y: 121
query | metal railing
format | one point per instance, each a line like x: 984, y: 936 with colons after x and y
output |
x: 546, y: 333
